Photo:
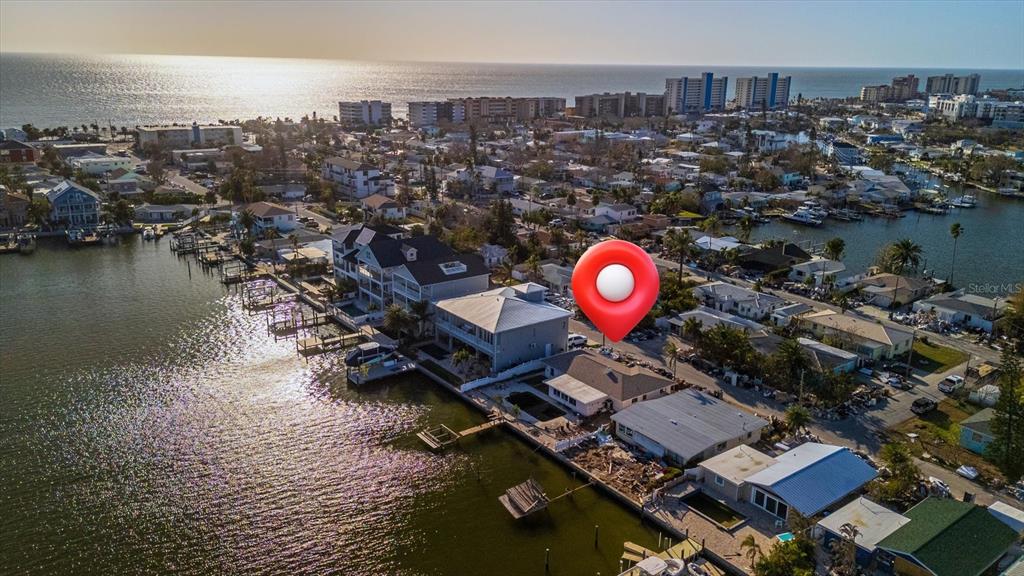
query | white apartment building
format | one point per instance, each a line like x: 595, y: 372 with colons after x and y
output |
x: 704, y: 93
x: 189, y: 136
x: 954, y: 108
x: 771, y: 91
x: 356, y: 178
x: 95, y: 165
x: 365, y: 112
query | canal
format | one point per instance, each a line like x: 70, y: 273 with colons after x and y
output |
x: 149, y: 425
x: 990, y: 253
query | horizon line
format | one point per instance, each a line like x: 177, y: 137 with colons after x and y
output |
x: 506, y: 63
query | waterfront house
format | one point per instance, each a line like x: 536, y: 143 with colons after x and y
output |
x: 155, y: 213
x: 507, y: 326
x: 355, y: 178
x: 781, y: 256
x: 271, y: 216
x: 808, y: 478
x: 968, y: 310
x: 687, y: 426
x: 738, y: 300
x: 712, y: 244
x: 623, y: 385
x: 426, y: 268
x: 886, y: 289
x: 827, y: 358
x: 13, y: 208
x: 784, y: 315
x: 820, y: 271
x: 946, y: 537
x: 869, y: 339
x: 381, y: 205
x: 873, y: 522
x: 74, y: 206
x: 976, y: 431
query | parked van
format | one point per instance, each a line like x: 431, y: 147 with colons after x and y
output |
x: 951, y: 384
x: 577, y: 341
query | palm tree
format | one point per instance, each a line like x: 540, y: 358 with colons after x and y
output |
x: 460, y: 358
x: 420, y: 312
x: 834, y: 248
x: 797, y: 417
x: 711, y: 225
x: 956, y: 230
x: 506, y: 268
x: 753, y: 549
x: 692, y: 328
x: 746, y: 227
x: 671, y: 352
x: 678, y: 242
x: 396, y: 319
x: 900, y: 255
x: 247, y: 220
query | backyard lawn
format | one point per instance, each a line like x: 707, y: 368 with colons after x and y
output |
x: 939, y: 435
x: 934, y: 358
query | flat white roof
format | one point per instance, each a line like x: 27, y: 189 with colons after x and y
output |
x: 736, y: 464
x: 576, y: 389
x: 873, y: 522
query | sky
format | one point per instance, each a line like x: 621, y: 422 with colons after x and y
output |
x: 924, y: 34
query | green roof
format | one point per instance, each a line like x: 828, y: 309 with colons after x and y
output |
x: 951, y: 538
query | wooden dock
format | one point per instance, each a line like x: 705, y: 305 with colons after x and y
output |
x: 524, y: 499
x: 441, y: 437
x: 321, y: 344
x: 684, y: 551
x: 293, y: 322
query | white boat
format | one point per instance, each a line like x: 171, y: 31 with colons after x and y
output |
x: 803, y: 216
x: 26, y: 243
x: 965, y: 201
x: 148, y: 233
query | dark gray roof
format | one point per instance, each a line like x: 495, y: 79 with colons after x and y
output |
x: 614, y: 379
x: 689, y: 422
x: 427, y: 272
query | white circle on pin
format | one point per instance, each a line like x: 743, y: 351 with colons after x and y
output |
x: 615, y: 283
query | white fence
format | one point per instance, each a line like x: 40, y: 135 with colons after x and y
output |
x: 500, y: 376
x: 563, y: 445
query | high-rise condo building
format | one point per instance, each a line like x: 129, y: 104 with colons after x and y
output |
x: 949, y: 84
x: 768, y: 92
x: 704, y: 93
x: 365, y: 112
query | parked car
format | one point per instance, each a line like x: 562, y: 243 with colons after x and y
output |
x: 923, y: 406
x: 951, y: 384
x: 577, y: 341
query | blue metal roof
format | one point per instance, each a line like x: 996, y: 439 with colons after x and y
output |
x: 812, y: 476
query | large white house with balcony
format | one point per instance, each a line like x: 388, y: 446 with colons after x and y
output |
x: 356, y: 178
x: 508, y: 326
x: 389, y: 268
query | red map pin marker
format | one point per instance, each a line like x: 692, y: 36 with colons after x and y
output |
x: 615, y: 284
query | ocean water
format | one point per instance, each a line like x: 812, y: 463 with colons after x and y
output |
x: 150, y: 425
x: 127, y: 90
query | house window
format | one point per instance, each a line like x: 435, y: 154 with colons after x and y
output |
x: 719, y: 480
x: 975, y: 437
x: 770, y: 504
x: 759, y: 498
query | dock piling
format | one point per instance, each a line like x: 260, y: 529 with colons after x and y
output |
x: 597, y: 529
